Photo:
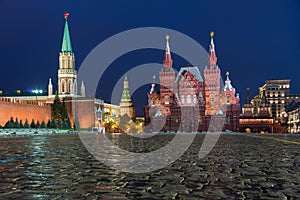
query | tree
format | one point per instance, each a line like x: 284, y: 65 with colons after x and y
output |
x: 12, y: 120
x: 49, y: 124
x: 26, y: 125
x: 9, y: 124
x: 63, y: 110
x: 60, y: 113
x: 43, y: 125
x: 65, y: 124
x: 21, y: 124
x: 32, y: 124
x: 38, y: 125
x: 53, y: 124
x: 16, y: 123
x: 56, y: 107
x: 69, y: 123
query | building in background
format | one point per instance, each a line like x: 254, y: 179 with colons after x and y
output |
x: 293, y: 116
x: 256, y: 115
x: 276, y: 92
x: 187, y: 102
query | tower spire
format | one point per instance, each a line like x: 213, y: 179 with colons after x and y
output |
x: 228, y: 82
x: 126, y: 93
x: 67, y: 75
x: 212, y: 60
x: 66, y: 43
x: 50, y: 87
x: 126, y: 105
x: 168, y: 62
x: 247, y: 95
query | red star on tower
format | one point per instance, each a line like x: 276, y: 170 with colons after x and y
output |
x: 66, y: 15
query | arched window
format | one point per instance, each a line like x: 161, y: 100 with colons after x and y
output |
x: 195, y: 99
x: 70, y: 86
x: 227, y: 100
x: 188, y: 99
x: 63, y: 86
x: 182, y: 99
x: 167, y: 99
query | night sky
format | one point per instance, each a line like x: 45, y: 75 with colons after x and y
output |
x: 255, y: 40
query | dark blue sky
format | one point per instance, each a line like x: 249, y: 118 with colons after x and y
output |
x: 255, y: 40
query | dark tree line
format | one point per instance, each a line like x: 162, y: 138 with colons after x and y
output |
x: 19, y: 124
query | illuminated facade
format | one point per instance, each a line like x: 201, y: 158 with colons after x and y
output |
x: 276, y: 92
x: 256, y: 115
x: 187, y: 100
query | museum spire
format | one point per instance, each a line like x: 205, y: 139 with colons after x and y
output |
x: 212, y: 60
x: 168, y: 62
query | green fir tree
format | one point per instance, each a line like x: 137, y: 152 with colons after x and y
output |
x: 21, y: 124
x: 26, y: 125
x: 43, y: 125
x: 32, y: 124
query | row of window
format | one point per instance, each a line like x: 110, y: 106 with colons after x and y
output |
x: 188, y: 99
x: 64, y: 86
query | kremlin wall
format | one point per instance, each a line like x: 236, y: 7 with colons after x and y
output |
x: 23, y: 110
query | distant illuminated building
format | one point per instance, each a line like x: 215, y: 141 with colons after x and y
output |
x: 256, y: 116
x: 276, y: 92
x: 187, y: 100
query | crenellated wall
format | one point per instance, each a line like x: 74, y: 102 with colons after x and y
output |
x: 23, y: 110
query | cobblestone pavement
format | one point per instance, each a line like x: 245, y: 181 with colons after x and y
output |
x: 240, y: 166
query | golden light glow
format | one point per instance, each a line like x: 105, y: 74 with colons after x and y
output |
x: 212, y: 34
x: 167, y: 37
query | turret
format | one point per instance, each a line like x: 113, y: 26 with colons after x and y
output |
x: 50, y: 88
x: 168, y: 62
x: 212, y: 60
x: 82, y: 89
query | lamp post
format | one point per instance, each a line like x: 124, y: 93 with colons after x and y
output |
x: 36, y: 92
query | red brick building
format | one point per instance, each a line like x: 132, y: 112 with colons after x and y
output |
x: 187, y: 102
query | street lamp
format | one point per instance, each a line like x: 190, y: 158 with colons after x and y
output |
x: 36, y: 92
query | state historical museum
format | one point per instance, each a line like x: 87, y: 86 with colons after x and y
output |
x: 190, y: 100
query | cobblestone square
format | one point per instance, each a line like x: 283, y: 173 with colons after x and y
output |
x: 240, y: 166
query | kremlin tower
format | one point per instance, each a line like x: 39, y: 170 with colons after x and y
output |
x: 126, y: 105
x: 67, y: 75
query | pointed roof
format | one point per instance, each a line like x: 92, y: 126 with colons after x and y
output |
x: 212, y: 59
x: 168, y: 62
x: 125, y: 93
x: 247, y: 95
x: 50, y: 82
x: 228, y: 82
x: 200, y: 95
x: 158, y: 113
x: 212, y: 45
x: 66, y: 42
x: 154, y: 89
